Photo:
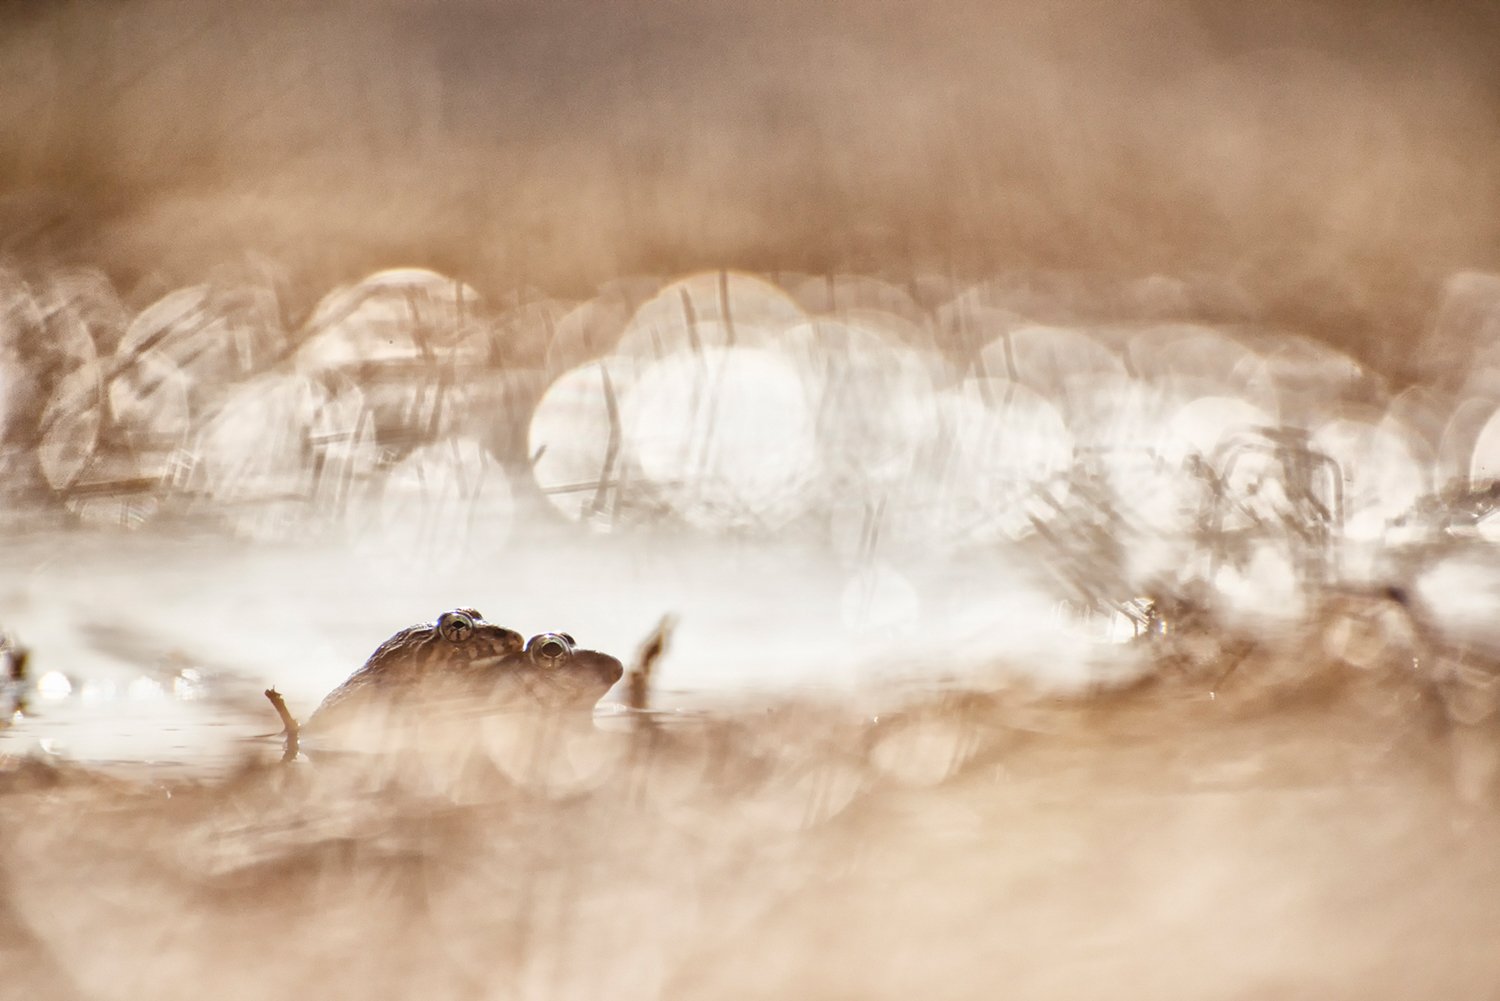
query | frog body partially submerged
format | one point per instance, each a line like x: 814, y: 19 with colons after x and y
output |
x: 461, y: 660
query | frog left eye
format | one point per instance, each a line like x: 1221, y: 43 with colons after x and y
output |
x: 455, y: 627
x: 550, y: 649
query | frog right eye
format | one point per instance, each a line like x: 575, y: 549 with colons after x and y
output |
x: 550, y: 649
x: 455, y: 627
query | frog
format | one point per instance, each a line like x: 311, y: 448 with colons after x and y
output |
x: 462, y: 658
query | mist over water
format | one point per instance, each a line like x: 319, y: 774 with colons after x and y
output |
x: 1064, y: 443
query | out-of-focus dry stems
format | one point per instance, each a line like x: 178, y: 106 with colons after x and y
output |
x: 290, y: 753
x: 1249, y: 143
x: 14, y: 658
x: 732, y: 836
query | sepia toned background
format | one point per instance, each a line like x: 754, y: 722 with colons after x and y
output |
x: 1318, y: 165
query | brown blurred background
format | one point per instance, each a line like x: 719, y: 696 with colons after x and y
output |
x: 1322, y: 166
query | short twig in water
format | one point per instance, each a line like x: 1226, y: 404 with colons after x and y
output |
x: 290, y: 754
x: 638, y: 682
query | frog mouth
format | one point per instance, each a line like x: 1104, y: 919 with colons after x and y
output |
x: 494, y: 660
x: 587, y: 676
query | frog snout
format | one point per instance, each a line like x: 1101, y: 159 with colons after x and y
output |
x: 608, y: 669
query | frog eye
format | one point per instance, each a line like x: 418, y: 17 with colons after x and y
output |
x: 550, y: 649
x: 455, y: 627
